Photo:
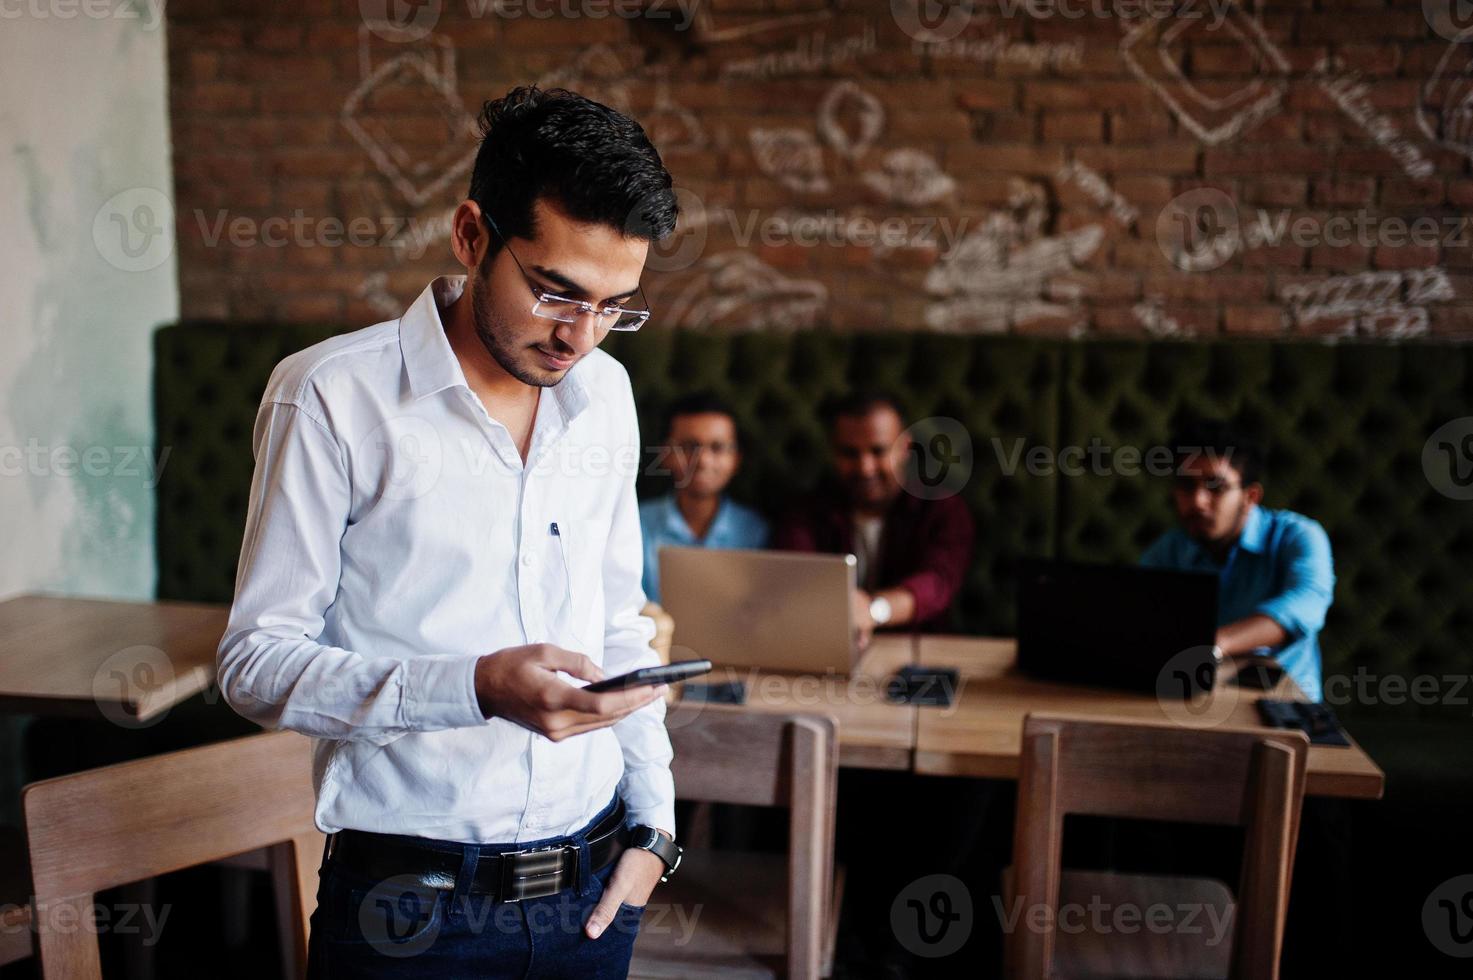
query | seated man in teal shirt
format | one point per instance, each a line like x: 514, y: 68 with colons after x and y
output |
x: 703, y: 453
x: 1276, y: 578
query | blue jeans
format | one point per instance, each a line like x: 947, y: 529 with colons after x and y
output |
x: 398, y: 928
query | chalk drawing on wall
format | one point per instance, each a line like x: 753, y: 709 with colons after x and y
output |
x: 910, y: 176
x: 790, y: 156
x: 601, y: 74
x: 1352, y: 95
x: 1154, y: 50
x: 706, y: 31
x: 374, y: 290
x: 671, y: 126
x: 1151, y: 314
x: 1100, y: 192
x: 1010, y: 271
x: 419, y: 169
x: 1388, y: 304
x: 850, y: 119
x: 735, y: 290
x: 1445, y: 109
x: 810, y: 54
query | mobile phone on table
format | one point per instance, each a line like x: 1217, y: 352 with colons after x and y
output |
x: 650, y: 676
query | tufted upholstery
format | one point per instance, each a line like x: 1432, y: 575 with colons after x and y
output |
x: 1345, y: 424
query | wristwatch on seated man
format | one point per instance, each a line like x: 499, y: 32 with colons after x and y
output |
x: 880, y: 610
x: 649, y: 839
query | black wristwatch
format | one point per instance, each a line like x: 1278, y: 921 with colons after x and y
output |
x: 649, y: 839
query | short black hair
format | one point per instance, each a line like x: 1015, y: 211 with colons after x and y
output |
x: 857, y: 404
x: 1218, y: 438
x: 704, y: 402
x: 595, y: 164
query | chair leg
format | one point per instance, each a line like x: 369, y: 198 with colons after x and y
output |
x: 138, y: 956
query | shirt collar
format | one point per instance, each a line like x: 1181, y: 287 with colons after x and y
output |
x: 675, y: 520
x: 431, y: 364
x: 1255, y: 531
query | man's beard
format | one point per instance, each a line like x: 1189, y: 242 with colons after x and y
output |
x: 491, y: 331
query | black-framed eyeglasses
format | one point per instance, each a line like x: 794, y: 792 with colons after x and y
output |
x: 564, y: 309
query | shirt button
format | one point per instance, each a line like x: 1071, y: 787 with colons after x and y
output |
x: 527, y: 559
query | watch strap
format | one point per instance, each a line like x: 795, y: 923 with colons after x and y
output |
x: 649, y: 839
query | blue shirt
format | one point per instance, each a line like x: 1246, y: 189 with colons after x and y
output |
x: 735, y: 526
x: 1280, y: 568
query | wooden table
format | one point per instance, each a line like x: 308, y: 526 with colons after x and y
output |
x: 981, y: 733
x: 130, y: 661
x: 873, y: 732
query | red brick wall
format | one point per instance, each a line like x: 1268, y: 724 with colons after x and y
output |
x: 1062, y: 166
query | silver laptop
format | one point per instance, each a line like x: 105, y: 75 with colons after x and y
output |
x: 777, y: 610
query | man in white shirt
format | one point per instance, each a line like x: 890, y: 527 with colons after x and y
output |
x: 442, y: 543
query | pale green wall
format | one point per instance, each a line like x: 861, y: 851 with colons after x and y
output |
x: 83, y: 117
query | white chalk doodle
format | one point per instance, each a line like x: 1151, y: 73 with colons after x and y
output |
x: 1352, y: 95
x: 598, y: 73
x: 1099, y: 191
x: 671, y: 126
x: 1008, y: 272
x: 792, y: 157
x: 737, y: 291
x: 811, y: 54
x: 1001, y: 49
x: 601, y: 74
x: 1151, y: 314
x: 375, y: 291
x: 705, y: 31
x: 417, y: 168
x: 1378, y: 304
x: 1155, y: 48
x: 1445, y: 109
x: 910, y: 176
x: 850, y: 119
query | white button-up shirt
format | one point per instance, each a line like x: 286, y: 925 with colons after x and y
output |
x: 394, y: 536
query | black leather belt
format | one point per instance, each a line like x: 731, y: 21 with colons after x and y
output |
x: 508, y: 876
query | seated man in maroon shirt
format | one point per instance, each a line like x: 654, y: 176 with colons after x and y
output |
x: 913, y: 552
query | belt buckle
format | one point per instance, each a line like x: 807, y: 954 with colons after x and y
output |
x: 535, y: 885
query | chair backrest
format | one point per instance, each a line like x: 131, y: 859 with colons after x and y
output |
x: 1249, y: 778
x: 728, y: 754
x: 106, y: 827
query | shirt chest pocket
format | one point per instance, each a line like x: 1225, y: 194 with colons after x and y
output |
x: 580, y: 545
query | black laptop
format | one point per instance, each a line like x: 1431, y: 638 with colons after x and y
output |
x: 1119, y: 626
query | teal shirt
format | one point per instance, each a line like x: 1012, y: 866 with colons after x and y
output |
x: 1281, y: 567
x: 660, y: 519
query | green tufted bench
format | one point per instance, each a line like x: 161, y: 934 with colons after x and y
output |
x: 1345, y: 425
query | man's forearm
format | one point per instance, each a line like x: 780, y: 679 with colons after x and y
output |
x: 1248, y: 634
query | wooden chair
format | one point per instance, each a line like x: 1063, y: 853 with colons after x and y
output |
x: 136, y: 820
x: 1252, y: 778
x: 755, y: 915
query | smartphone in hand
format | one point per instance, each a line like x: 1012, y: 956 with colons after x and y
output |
x: 650, y: 676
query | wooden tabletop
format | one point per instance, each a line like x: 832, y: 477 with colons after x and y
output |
x: 873, y: 732
x: 130, y: 661
x: 981, y: 733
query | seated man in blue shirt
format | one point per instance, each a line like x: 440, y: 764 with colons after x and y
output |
x: 703, y: 452
x: 1276, y: 578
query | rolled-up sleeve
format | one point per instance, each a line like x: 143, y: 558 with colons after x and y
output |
x: 945, y: 553
x: 647, y: 787
x: 1309, y: 581
x: 272, y: 670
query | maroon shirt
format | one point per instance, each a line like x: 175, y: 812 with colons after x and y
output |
x: 925, y: 548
